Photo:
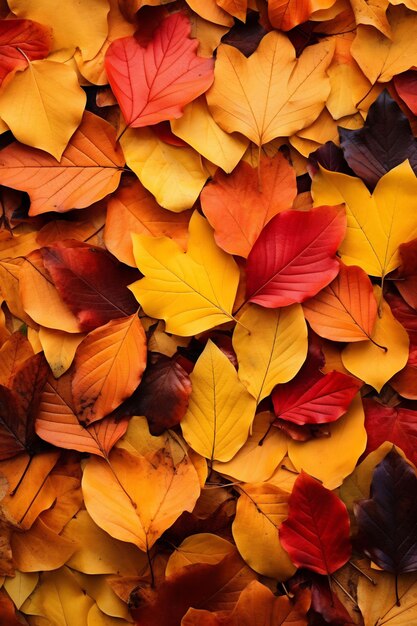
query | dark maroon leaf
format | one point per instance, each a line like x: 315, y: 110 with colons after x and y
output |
x: 387, y: 522
x: 384, y: 142
x: 245, y: 37
x: 91, y: 282
x: 326, y: 603
x: 406, y: 87
x: 330, y: 157
x: 163, y: 393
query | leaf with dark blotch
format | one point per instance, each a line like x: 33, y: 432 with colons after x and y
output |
x: 163, y: 394
x: 384, y: 142
x: 395, y: 424
x: 294, y: 256
x: 387, y: 522
x: 316, y: 533
x: 97, y: 279
x: 18, y: 405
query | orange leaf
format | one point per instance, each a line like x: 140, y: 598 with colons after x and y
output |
x: 132, y: 209
x: 346, y: 309
x: 89, y: 169
x: 12, y: 355
x: 21, y: 40
x: 152, y: 84
x: 285, y: 14
x: 240, y: 205
x: 109, y: 364
x: 57, y: 423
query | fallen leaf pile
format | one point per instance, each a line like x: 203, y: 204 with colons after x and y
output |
x: 208, y: 322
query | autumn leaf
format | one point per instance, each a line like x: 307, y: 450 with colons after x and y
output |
x: 109, y: 364
x: 135, y: 498
x: 286, y: 15
x: 405, y: 85
x: 43, y: 106
x: 206, y: 277
x: 271, y: 94
x: 57, y: 423
x: 90, y: 168
x: 327, y: 546
x: 377, y: 223
x: 220, y: 410
x: 386, y: 522
x: 95, y: 276
x: 21, y: 40
x: 407, y: 272
x: 346, y: 309
x: 152, y: 84
x: 294, y: 256
x: 271, y: 346
x: 240, y: 205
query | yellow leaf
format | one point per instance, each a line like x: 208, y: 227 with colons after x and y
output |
x: 174, y: 175
x: 381, y: 58
x: 331, y: 459
x: 220, y: 410
x: 372, y: 13
x: 260, y: 455
x: 191, y: 291
x: 76, y: 25
x: 198, y: 128
x: 59, y: 599
x: 210, y: 11
x: 374, y: 364
x: 98, y: 553
x: 21, y: 586
x: 377, y: 223
x: 99, y: 589
x: 199, y: 548
x: 271, y: 94
x: 109, y: 364
x: 271, y: 346
x: 59, y: 348
x: 98, y: 618
x: 136, y: 498
x: 207, y: 33
x: 41, y: 549
x: 260, y: 511
x: 43, y: 105
x: 378, y: 603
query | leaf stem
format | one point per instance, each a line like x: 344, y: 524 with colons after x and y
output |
x: 397, y: 597
x: 345, y: 591
x: 358, y: 569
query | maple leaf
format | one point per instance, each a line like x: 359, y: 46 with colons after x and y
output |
x: 152, y: 84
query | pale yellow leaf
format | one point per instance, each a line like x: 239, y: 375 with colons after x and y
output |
x: 220, y: 410
x: 99, y: 589
x: 378, y: 603
x: 260, y: 455
x: 43, y: 106
x: 198, y: 128
x: 271, y: 346
x: 191, y: 291
x: 21, y: 586
x: 331, y: 459
x: 260, y: 511
x: 376, y: 364
x: 174, y: 175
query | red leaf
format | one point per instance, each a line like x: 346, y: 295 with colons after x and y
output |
x: 316, y: 533
x: 407, y: 272
x: 406, y: 86
x: 153, y: 84
x: 97, y: 279
x: 20, y: 38
x: 395, y: 424
x: 294, y: 256
x: 314, y: 398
